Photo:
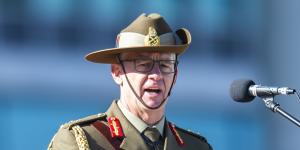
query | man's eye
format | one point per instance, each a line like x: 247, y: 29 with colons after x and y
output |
x: 143, y: 63
x: 166, y: 64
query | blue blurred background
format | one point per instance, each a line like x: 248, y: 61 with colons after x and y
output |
x: 45, y: 82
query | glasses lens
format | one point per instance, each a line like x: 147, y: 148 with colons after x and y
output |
x: 143, y: 65
x: 167, y: 66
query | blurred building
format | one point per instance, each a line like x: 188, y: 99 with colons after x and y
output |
x: 44, y: 80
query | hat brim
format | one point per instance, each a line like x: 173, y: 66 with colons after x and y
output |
x: 109, y: 56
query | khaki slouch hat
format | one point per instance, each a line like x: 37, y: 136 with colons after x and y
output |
x: 147, y: 33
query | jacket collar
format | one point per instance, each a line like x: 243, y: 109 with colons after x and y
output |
x: 170, y: 140
x: 132, y: 135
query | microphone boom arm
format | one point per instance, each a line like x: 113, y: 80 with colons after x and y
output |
x: 275, y: 107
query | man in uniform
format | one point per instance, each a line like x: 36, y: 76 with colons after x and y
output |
x: 144, y: 65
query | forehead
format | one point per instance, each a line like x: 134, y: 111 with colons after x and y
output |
x: 152, y: 55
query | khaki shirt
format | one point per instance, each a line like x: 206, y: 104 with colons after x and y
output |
x: 139, y: 124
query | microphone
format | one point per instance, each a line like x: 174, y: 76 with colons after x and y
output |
x: 244, y: 90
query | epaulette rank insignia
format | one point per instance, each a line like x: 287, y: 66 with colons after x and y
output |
x: 91, y: 118
x: 175, y: 133
x: 115, y: 127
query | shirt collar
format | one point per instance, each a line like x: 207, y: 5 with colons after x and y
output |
x: 139, y: 124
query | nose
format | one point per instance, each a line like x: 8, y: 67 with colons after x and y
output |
x: 155, y: 73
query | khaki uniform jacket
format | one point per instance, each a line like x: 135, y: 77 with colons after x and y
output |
x: 83, y: 135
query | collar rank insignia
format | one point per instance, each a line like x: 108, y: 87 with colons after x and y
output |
x: 175, y: 133
x: 115, y: 127
x: 152, y: 39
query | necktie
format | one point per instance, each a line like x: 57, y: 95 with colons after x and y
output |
x: 152, y: 137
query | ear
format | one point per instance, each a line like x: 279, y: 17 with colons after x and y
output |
x: 116, y: 73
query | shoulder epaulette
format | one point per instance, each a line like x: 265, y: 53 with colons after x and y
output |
x: 84, y: 120
x: 197, y: 135
x: 78, y: 132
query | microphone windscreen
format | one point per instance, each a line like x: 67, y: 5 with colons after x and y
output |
x: 239, y: 90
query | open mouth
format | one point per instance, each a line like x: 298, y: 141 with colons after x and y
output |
x: 157, y: 91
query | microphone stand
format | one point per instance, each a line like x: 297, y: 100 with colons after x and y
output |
x: 275, y: 107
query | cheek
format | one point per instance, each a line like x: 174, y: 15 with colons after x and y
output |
x: 137, y: 80
x: 169, y: 80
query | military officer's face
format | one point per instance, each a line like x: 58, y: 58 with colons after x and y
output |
x: 150, y: 74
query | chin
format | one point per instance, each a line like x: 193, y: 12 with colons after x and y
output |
x: 152, y: 102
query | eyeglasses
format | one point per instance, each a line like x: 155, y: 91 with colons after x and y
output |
x: 146, y: 65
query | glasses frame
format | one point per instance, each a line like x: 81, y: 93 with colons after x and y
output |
x: 154, y: 62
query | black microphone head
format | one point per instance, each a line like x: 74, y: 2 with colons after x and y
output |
x: 239, y: 90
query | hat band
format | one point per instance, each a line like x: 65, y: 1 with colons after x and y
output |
x: 131, y: 39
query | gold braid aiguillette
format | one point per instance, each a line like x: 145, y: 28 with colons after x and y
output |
x: 80, y: 138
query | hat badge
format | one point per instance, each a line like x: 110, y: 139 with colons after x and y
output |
x: 152, y: 39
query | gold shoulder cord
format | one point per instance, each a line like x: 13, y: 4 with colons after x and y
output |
x: 80, y: 138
